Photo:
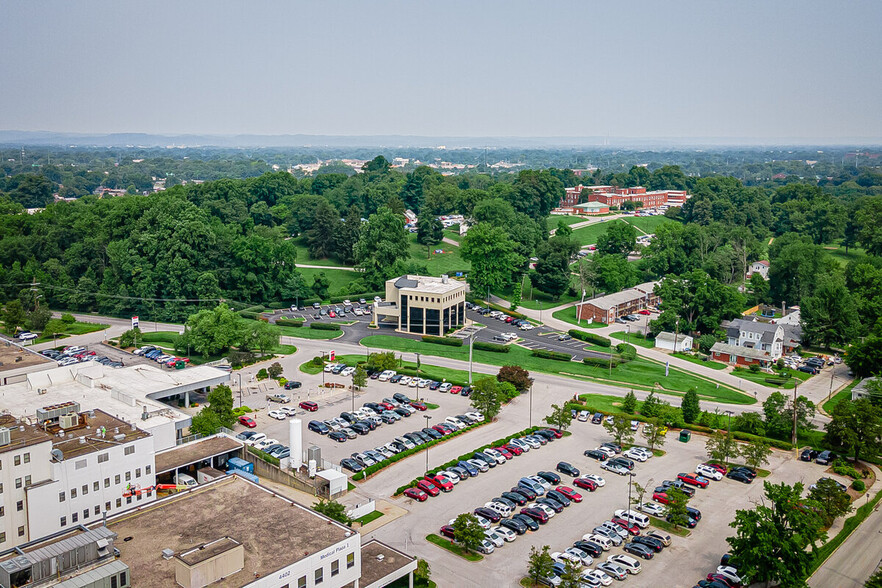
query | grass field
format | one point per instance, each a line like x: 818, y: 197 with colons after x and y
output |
x: 431, y: 372
x: 535, y: 299
x: 453, y: 233
x: 453, y: 548
x: 305, y: 332
x: 640, y: 373
x: 634, y: 339
x: 838, y: 253
x: 648, y: 224
x: 569, y: 315
x: 714, y: 365
x: 588, y: 235
x: 552, y: 221
x: 760, y: 377
x: 338, y: 278
x: 75, y: 328
x: 371, y: 516
x: 304, y: 257
x: 437, y: 264
x: 844, y: 394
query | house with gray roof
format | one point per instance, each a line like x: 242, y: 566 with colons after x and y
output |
x: 750, y: 341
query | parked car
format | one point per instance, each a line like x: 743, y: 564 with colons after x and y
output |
x: 247, y: 421
x: 693, y: 479
x: 739, y: 476
x: 825, y: 458
x: 566, y: 468
x: 309, y: 406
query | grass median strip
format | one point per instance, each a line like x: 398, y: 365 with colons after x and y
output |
x: 633, y: 339
x: 371, y: 516
x: 568, y: 315
x: 714, y: 365
x: 669, y: 527
x: 453, y: 547
x: 640, y: 372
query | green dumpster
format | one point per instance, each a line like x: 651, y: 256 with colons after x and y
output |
x: 179, y: 365
x: 685, y: 436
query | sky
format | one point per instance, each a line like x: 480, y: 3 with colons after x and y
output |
x: 643, y: 68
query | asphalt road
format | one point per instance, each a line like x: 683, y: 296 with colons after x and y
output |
x: 856, y: 559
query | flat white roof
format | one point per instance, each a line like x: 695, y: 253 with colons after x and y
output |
x: 121, y: 392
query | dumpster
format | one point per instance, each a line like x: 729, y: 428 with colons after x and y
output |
x: 685, y: 436
x: 179, y: 365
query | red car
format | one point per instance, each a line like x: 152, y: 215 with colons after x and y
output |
x: 441, y: 483
x: 456, y: 390
x: 661, y: 497
x: 722, y: 580
x: 504, y: 452
x: 332, y: 314
x: 569, y: 493
x: 720, y: 468
x: 247, y: 421
x: 631, y: 528
x: 514, y: 449
x: 585, y: 484
x: 416, y: 494
x: 447, y: 531
x: 428, y: 488
x: 440, y: 429
x: 537, y: 514
x: 644, y: 312
x: 386, y: 405
x: 508, y: 319
x: 693, y: 479
x: 557, y: 434
x: 418, y: 405
x: 309, y: 405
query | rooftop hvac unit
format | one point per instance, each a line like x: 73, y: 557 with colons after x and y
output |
x: 5, y: 437
x: 42, y: 390
x: 69, y: 420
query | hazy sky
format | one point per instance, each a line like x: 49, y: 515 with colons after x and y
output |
x: 767, y: 69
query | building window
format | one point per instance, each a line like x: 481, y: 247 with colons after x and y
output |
x: 1, y: 464
x: 140, y: 496
x: 19, y: 506
x: 17, y: 460
x: 2, y: 537
x: 27, y: 481
x: 85, y: 489
x: 18, y: 482
x: 147, y: 470
x: 107, y: 482
x: 85, y: 513
x: 61, y: 496
x: 80, y: 464
x: 129, y: 500
x: 350, y: 560
x: 63, y: 521
x: 27, y: 458
x: 74, y: 517
x: 21, y: 531
x: 118, y: 502
x: 137, y: 472
x: 301, y: 582
x: 319, y: 576
x: 96, y: 486
x: 97, y: 509
x: 335, y: 567
x: 73, y: 493
x: 122, y: 579
x: 1, y: 487
x: 129, y: 450
x: 113, y: 582
x: 116, y: 479
x: 102, y: 457
x: 2, y: 510
x: 107, y: 505
x: 128, y: 476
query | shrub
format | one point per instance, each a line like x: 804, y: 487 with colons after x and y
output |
x: 68, y: 318
x: 324, y: 326
x: 626, y: 352
x: 247, y: 314
x: 844, y: 469
x: 755, y: 368
x: 262, y: 374
x: 495, y: 347
x: 555, y: 355
x: 451, y: 341
x: 773, y: 442
x: 859, y: 485
x: 284, y: 322
x: 599, y: 362
x: 776, y: 381
x: 706, y: 341
x: 590, y: 337
x: 263, y: 456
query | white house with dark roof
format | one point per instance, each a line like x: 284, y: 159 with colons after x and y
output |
x: 760, y: 267
x: 750, y: 342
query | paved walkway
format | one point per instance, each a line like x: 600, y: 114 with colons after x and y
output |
x: 329, y: 267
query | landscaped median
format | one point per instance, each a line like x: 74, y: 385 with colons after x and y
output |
x: 462, y: 457
x: 453, y: 547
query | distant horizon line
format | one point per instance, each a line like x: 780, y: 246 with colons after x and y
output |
x: 228, y: 140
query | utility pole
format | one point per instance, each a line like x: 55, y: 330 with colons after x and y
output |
x: 531, y: 405
x: 728, y: 437
x: 471, y: 342
x: 428, y: 418
x: 793, y: 440
x: 832, y: 371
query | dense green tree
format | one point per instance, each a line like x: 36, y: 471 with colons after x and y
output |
x: 333, y: 510
x: 560, y: 417
x: 834, y: 501
x: 348, y: 235
x: 467, y: 531
x: 212, y: 331
x: 515, y: 375
x: 485, y: 397
x: 772, y: 539
x: 620, y: 238
x: 418, y: 182
x: 539, y: 564
x: 676, y: 507
x: 535, y: 193
x: 259, y: 335
x: 629, y: 404
x: 320, y: 285
x: 857, y: 427
x: 864, y: 357
x: 690, y: 406
x: 381, y: 246
x: 612, y: 273
x: 38, y: 318
x: 721, y: 447
x: 619, y: 429
x: 491, y: 253
x: 749, y: 422
x: 552, y: 270
x: 650, y: 407
x: 321, y: 238
x: 778, y: 411
x: 756, y: 453
x: 32, y: 191
x: 359, y: 377
x: 14, y: 316
x: 795, y: 265
x: 131, y: 338
x: 758, y: 289
x: 216, y: 414
x: 655, y: 437
x: 829, y: 315
x: 430, y: 231
x: 57, y: 327
x: 869, y: 221
x: 695, y: 301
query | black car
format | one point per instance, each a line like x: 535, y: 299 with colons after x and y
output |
x: 368, y: 423
x: 689, y: 523
x: 825, y: 458
x: 432, y: 433
x: 433, y: 385
x: 423, y: 436
x: 289, y: 385
x: 488, y: 513
x: 360, y: 428
x: 745, y: 470
x: 349, y: 417
x: 589, y: 547
x: 739, y: 476
x: 551, y: 503
x: 555, y: 495
x: 337, y: 436
x: 396, y: 378
x: 566, y: 468
x: 597, y: 418
x: 595, y: 454
x: 526, y: 520
x: 549, y: 477
x: 808, y: 454
x: 809, y: 369
x: 650, y: 542
x: 622, y: 461
x: 546, y: 433
x: 318, y: 427
x: 466, y: 391
x: 351, y: 465
x: 401, y: 412
x: 515, y: 497
x: 687, y: 490
x: 516, y: 525
x: 374, y: 407
x: 485, y: 458
x: 503, y: 500
x: 525, y: 492
x: 639, y: 550
x: 401, y: 397
x: 694, y: 513
x: 413, y: 438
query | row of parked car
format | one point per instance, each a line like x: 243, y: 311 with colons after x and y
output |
x: 160, y: 356
x: 76, y: 354
x: 263, y: 443
x: 522, y: 324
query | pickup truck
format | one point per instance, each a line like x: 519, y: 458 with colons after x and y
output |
x: 278, y: 397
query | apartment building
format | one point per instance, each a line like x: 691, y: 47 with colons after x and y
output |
x: 606, y: 309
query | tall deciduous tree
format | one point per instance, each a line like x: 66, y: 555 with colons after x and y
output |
x: 721, y: 447
x: 218, y: 413
x: 857, y: 426
x: 831, y: 498
x: 485, y: 397
x: 676, y: 507
x: 516, y: 375
x: 619, y: 429
x: 756, y: 453
x: 620, y: 238
x: 322, y: 237
x: 491, y: 253
x: 467, y: 531
x: 430, y: 231
x: 829, y: 316
x: 213, y: 331
x: 539, y: 564
x: 690, y: 406
x: 560, y: 417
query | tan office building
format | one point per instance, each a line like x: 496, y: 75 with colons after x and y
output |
x: 423, y: 305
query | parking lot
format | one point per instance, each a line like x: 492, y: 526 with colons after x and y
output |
x: 682, y: 564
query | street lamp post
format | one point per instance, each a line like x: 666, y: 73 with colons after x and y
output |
x: 428, y: 418
x: 630, y: 479
x: 793, y: 441
x: 728, y: 435
x: 471, y: 344
x: 531, y: 405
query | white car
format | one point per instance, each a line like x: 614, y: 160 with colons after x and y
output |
x: 479, y: 465
x: 384, y: 377
x: 278, y: 414
x: 330, y: 367
x: 455, y: 422
x: 598, y: 575
x: 708, y: 472
x: 602, y: 540
x: 288, y: 410
x: 584, y: 416
x: 494, y: 538
x: 614, y: 468
x: 452, y: 476
x: 255, y: 439
x: 346, y: 372
x: 445, y: 387
x: 636, y: 455
x: 562, y: 557
x: 422, y: 383
x: 629, y: 563
x: 531, y: 442
x: 406, y: 442
x: 584, y: 558
x: 500, y: 459
x: 596, y: 479
x: 382, y: 450
x: 485, y: 524
x: 505, y: 533
x: 527, y: 327
x: 520, y: 444
x: 607, y: 451
x: 543, y: 507
x: 475, y: 415
x: 541, y: 481
x: 404, y: 381
x: 729, y: 573
x: 651, y: 508
x: 263, y: 444
x: 486, y: 547
x: 635, y: 425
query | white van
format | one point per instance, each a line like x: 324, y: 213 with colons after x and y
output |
x: 185, y: 480
x: 641, y: 520
x: 599, y: 539
x: 503, y: 510
x: 629, y: 563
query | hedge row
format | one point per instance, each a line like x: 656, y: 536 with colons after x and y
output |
x: 495, y: 347
x: 284, y: 322
x: 408, y: 452
x: 738, y: 435
x: 468, y: 455
x: 451, y: 341
x: 248, y: 314
x: 589, y: 337
x: 556, y: 355
x: 256, y: 308
x: 263, y: 456
x: 494, y: 306
x: 600, y: 362
x: 412, y: 371
x: 626, y: 352
x: 324, y: 326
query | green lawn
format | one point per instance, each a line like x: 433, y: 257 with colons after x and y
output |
x: 308, y: 368
x: 844, y: 394
x: 453, y: 547
x: 371, y: 516
x: 714, y: 365
x: 304, y: 257
x: 75, y: 328
x: 453, y: 233
x: 641, y: 372
x: 634, y: 339
x: 437, y: 264
x: 760, y: 377
x: 535, y: 299
x: 305, y: 332
x: 338, y: 278
x: 552, y: 221
x: 669, y: 527
x: 648, y: 224
x: 838, y: 253
x: 588, y: 235
x: 431, y: 372
x: 569, y: 315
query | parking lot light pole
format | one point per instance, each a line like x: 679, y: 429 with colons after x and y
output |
x: 428, y: 418
x: 471, y: 344
x: 630, y: 479
x: 729, y: 435
x: 531, y: 405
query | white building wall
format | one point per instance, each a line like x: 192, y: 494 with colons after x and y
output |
x: 164, y: 435
x: 32, y: 468
x: 323, y: 560
x: 87, y: 483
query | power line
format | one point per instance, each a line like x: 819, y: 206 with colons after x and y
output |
x: 120, y: 297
